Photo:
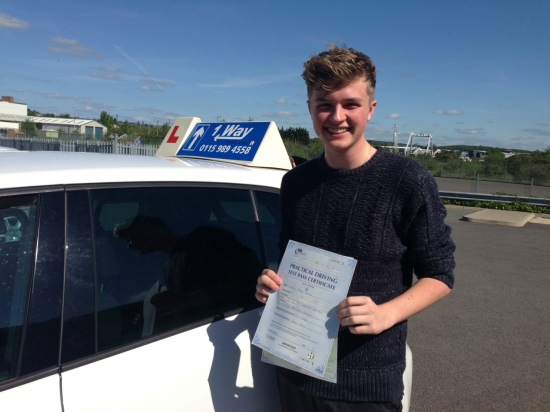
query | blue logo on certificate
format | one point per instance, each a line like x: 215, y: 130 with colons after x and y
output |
x: 230, y: 141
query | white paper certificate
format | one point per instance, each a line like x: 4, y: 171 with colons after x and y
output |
x: 300, y: 323
x: 330, y: 370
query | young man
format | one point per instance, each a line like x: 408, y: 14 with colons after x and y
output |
x: 382, y: 209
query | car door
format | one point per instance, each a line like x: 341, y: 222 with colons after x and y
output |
x: 159, y: 306
x: 31, y: 282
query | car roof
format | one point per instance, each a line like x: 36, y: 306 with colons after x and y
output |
x: 30, y: 169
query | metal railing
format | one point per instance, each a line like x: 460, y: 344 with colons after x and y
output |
x: 535, y: 201
x: 114, y: 147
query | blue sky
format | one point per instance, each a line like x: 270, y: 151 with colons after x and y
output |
x: 470, y: 72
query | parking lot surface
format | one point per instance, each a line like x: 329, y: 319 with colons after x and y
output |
x: 486, y: 347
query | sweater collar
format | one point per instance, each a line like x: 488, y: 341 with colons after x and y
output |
x: 327, y: 170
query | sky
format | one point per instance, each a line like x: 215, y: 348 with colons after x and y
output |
x: 469, y: 72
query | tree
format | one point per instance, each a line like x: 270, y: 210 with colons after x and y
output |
x: 108, y: 121
x: 495, y: 155
x: 295, y: 134
x: 125, y: 128
x: 448, y: 156
x: 163, y: 130
x: 27, y: 126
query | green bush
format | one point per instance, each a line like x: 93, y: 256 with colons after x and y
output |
x: 515, y: 206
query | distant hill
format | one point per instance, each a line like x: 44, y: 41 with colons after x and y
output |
x: 463, y: 147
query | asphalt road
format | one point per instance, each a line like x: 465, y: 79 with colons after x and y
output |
x: 464, y: 185
x: 486, y: 347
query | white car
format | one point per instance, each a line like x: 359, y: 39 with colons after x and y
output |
x: 87, y: 320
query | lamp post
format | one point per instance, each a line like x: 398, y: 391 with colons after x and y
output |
x: 218, y: 119
x: 74, y: 118
x: 149, y: 123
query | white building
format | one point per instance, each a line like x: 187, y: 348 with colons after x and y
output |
x: 8, y: 106
x: 13, y: 114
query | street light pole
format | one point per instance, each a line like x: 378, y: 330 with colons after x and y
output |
x: 218, y: 119
x: 74, y: 118
x: 149, y: 124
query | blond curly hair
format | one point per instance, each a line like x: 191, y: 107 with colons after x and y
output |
x: 338, y: 66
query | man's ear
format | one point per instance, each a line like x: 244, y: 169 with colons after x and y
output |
x: 309, y: 107
x: 372, y: 108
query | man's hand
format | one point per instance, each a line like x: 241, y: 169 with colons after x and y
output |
x: 362, y: 316
x: 267, y: 282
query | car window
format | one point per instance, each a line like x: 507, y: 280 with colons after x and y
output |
x: 17, y: 229
x: 168, y: 257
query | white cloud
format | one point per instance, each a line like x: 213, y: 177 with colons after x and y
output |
x: 538, y: 132
x: 449, y: 112
x: 471, y: 131
x: 148, y: 89
x: 280, y: 101
x: 394, y: 116
x: 521, y: 138
x: 9, y: 22
x: 109, y: 69
x: 73, y: 48
x: 54, y: 96
x: 97, y: 105
x: 105, y: 76
x: 61, y: 40
x: 159, y: 82
x: 252, y: 81
x: 18, y: 90
x: 281, y: 114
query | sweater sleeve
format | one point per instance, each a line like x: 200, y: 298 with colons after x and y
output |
x: 430, y: 249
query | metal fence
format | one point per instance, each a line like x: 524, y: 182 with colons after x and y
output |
x: 516, y: 169
x: 114, y: 147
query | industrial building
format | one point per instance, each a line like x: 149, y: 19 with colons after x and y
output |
x: 12, y: 114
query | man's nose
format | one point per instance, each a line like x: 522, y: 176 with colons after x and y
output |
x: 338, y: 114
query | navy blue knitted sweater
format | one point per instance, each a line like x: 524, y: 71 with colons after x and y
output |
x: 386, y: 214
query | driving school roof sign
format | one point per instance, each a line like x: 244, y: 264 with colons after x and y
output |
x: 250, y: 143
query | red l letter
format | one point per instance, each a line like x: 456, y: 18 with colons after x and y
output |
x: 173, y: 138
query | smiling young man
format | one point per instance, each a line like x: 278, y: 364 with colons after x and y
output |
x: 382, y: 209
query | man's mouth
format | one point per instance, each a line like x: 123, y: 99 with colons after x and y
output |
x: 337, y: 131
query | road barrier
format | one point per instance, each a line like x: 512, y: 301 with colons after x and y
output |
x: 536, y: 201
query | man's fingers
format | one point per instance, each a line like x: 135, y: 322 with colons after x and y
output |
x: 273, y: 276
x: 267, y: 282
x: 263, y: 290
x: 354, y: 301
x: 270, y: 279
x: 261, y: 298
x: 345, y: 310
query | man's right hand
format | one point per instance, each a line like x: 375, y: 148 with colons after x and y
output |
x: 268, y: 282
